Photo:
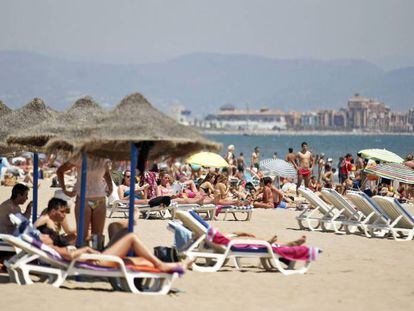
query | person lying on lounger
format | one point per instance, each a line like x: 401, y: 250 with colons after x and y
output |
x: 119, y: 248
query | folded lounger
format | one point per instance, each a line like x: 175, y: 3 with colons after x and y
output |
x: 122, y: 206
x: 234, y: 211
x: 216, y: 250
x: 352, y: 217
x: 329, y: 219
x: 123, y: 276
x: 209, y: 210
x: 401, y: 221
x: 376, y: 222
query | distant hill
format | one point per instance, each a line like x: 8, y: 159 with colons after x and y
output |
x: 204, y: 81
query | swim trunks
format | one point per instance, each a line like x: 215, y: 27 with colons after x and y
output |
x: 304, y: 172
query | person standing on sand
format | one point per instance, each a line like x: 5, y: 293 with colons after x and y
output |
x: 291, y: 157
x: 254, y: 160
x: 304, y: 167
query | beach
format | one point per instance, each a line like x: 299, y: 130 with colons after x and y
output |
x: 353, y: 272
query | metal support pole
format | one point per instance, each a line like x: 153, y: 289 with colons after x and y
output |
x: 80, y: 240
x: 134, y: 156
x: 35, y: 185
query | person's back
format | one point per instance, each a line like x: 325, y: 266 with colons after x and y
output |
x: 11, y: 206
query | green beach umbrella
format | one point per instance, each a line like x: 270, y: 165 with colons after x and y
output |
x: 381, y: 155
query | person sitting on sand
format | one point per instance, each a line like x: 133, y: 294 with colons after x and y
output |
x: 53, y: 219
x: 267, y: 200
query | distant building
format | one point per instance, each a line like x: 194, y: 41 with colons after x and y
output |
x: 231, y: 118
x: 181, y: 115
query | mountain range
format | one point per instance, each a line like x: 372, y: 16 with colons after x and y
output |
x: 202, y: 82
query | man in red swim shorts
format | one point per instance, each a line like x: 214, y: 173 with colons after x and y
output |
x: 304, y: 167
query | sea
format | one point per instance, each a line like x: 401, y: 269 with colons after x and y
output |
x: 333, y: 146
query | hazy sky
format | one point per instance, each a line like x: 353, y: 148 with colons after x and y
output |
x: 141, y: 31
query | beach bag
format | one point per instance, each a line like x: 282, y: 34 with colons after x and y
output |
x: 166, y: 254
x: 164, y: 200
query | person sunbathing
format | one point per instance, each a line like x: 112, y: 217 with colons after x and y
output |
x: 267, y: 200
x: 124, y: 190
x: 120, y: 248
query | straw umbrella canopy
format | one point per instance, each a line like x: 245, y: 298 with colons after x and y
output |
x: 133, y: 120
x: 4, y: 109
x: 23, y: 119
x: 85, y: 112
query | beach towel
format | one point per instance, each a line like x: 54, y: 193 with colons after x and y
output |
x: 182, y: 236
x: 301, y: 252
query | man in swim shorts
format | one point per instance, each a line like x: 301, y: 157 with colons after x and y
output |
x: 304, y: 166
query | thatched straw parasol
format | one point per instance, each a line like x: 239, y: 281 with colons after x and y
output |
x: 4, y: 109
x: 84, y: 113
x: 23, y: 120
x: 133, y: 120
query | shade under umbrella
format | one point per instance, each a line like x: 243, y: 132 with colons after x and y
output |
x: 393, y: 171
x: 380, y: 155
x: 85, y: 112
x: 278, y: 167
x: 133, y: 120
x: 207, y: 159
x: 23, y: 120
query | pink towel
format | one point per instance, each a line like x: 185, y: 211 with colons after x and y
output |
x: 289, y: 252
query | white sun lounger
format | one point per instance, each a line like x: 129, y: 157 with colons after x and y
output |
x: 206, y: 209
x: 23, y: 264
x: 122, y: 207
x: 328, y: 220
x: 376, y: 222
x: 216, y: 256
x: 352, y: 217
x: 236, y: 210
x: 401, y: 221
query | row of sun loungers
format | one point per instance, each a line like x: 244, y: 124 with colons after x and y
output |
x: 356, y: 212
x: 209, y: 211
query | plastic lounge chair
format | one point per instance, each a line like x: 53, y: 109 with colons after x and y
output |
x: 206, y: 209
x: 376, y: 222
x: 402, y: 222
x: 124, y: 277
x: 217, y: 255
x: 5, y: 247
x: 234, y: 211
x: 122, y: 206
x: 330, y: 216
x: 353, y: 217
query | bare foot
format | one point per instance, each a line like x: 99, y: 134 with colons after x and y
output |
x: 298, y: 242
x: 273, y: 240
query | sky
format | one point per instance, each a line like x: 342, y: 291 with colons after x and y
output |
x: 133, y: 31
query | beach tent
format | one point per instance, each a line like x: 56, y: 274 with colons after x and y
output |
x: 207, y: 159
x: 394, y: 171
x: 23, y: 119
x: 380, y: 155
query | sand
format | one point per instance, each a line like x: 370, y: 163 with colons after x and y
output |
x: 353, y: 273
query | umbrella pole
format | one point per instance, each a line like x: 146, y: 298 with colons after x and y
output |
x: 35, y: 184
x: 80, y: 240
x: 134, y: 156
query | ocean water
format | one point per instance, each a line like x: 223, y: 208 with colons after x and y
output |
x: 333, y: 146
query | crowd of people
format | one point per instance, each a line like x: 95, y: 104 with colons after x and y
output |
x: 241, y: 183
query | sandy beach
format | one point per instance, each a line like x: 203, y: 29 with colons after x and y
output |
x: 354, y: 272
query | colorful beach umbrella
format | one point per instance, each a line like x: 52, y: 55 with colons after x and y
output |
x: 393, y: 171
x: 207, y: 159
x: 381, y: 155
x: 278, y: 167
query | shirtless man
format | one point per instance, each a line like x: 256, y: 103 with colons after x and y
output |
x: 267, y: 199
x: 304, y: 166
x: 254, y: 161
x: 291, y: 157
